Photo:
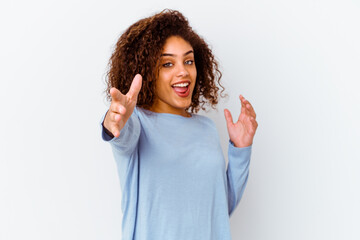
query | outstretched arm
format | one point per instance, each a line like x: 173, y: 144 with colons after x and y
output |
x: 121, y: 127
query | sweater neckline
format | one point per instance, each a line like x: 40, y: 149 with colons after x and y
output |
x: 167, y: 114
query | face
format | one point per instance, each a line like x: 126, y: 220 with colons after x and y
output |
x: 177, y: 76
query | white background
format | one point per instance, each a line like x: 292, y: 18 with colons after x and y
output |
x: 298, y: 62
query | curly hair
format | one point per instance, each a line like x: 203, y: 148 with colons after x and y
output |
x: 139, y: 48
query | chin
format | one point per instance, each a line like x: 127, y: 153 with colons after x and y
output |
x: 185, y: 105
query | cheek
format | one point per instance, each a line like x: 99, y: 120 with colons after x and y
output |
x: 194, y: 74
x: 165, y: 77
x: 162, y: 84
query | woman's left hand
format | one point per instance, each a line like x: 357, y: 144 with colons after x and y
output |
x: 242, y: 132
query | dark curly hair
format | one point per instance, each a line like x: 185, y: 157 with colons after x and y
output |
x: 139, y: 48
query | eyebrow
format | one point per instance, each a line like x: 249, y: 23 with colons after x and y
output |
x: 173, y: 55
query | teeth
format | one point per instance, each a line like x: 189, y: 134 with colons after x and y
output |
x: 181, y: 85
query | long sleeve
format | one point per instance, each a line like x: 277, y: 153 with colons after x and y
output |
x: 125, y: 150
x: 237, y: 174
x: 124, y: 146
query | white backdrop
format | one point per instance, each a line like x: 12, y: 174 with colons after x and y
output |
x: 296, y: 61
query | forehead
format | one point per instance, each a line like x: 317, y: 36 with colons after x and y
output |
x: 176, y: 45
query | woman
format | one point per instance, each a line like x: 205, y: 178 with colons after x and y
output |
x: 173, y: 175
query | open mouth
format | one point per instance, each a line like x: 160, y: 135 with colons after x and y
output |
x: 182, y: 89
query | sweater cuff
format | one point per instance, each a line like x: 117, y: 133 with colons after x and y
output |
x: 104, y: 135
x: 129, y: 132
x: 242, y: 155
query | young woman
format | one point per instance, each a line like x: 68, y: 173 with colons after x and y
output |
x: 172, y: 172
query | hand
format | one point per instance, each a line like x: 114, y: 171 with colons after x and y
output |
x: 242, y: 132
x: 122, y: 106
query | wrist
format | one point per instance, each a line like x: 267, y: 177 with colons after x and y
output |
x: 240, y: 144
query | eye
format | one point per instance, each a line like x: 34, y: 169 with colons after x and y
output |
x: 168, y: 64
x: 189, y: 62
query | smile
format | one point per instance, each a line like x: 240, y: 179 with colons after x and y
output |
x: 181, y: 89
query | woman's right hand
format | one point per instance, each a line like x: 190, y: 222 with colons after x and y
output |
x: 122, y: 106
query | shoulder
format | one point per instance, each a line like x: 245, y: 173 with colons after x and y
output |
x: 140, y: 112
x: 206, y: 129
x: 205, y: 120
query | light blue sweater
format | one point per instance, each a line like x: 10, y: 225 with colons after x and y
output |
x: 173, y: 177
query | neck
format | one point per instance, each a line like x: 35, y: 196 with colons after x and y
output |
x: 164, y: 109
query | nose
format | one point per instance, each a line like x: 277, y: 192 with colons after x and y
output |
x: 182, y: 71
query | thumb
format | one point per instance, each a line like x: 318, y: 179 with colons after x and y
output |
x: 135, y: 86
x: 228, y: 117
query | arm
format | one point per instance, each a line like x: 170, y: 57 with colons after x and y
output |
x: 237, y: 174
x: 121, y: 126
x: 124, y: 148
x: 241, y: 136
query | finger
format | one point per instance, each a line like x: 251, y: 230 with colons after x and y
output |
x: 115, y: 128
x: 228, y: 117
x: 116, y: 133
x: 117, y: 108
x: 254, y: 125
x: 135, y: 87
x: 115, y: 117
x: 250, y: 108
x: 243, y: 112
x: 115, y: 94
x: 250, y: 112
x: 242, y: 99
x: 246, y: 107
